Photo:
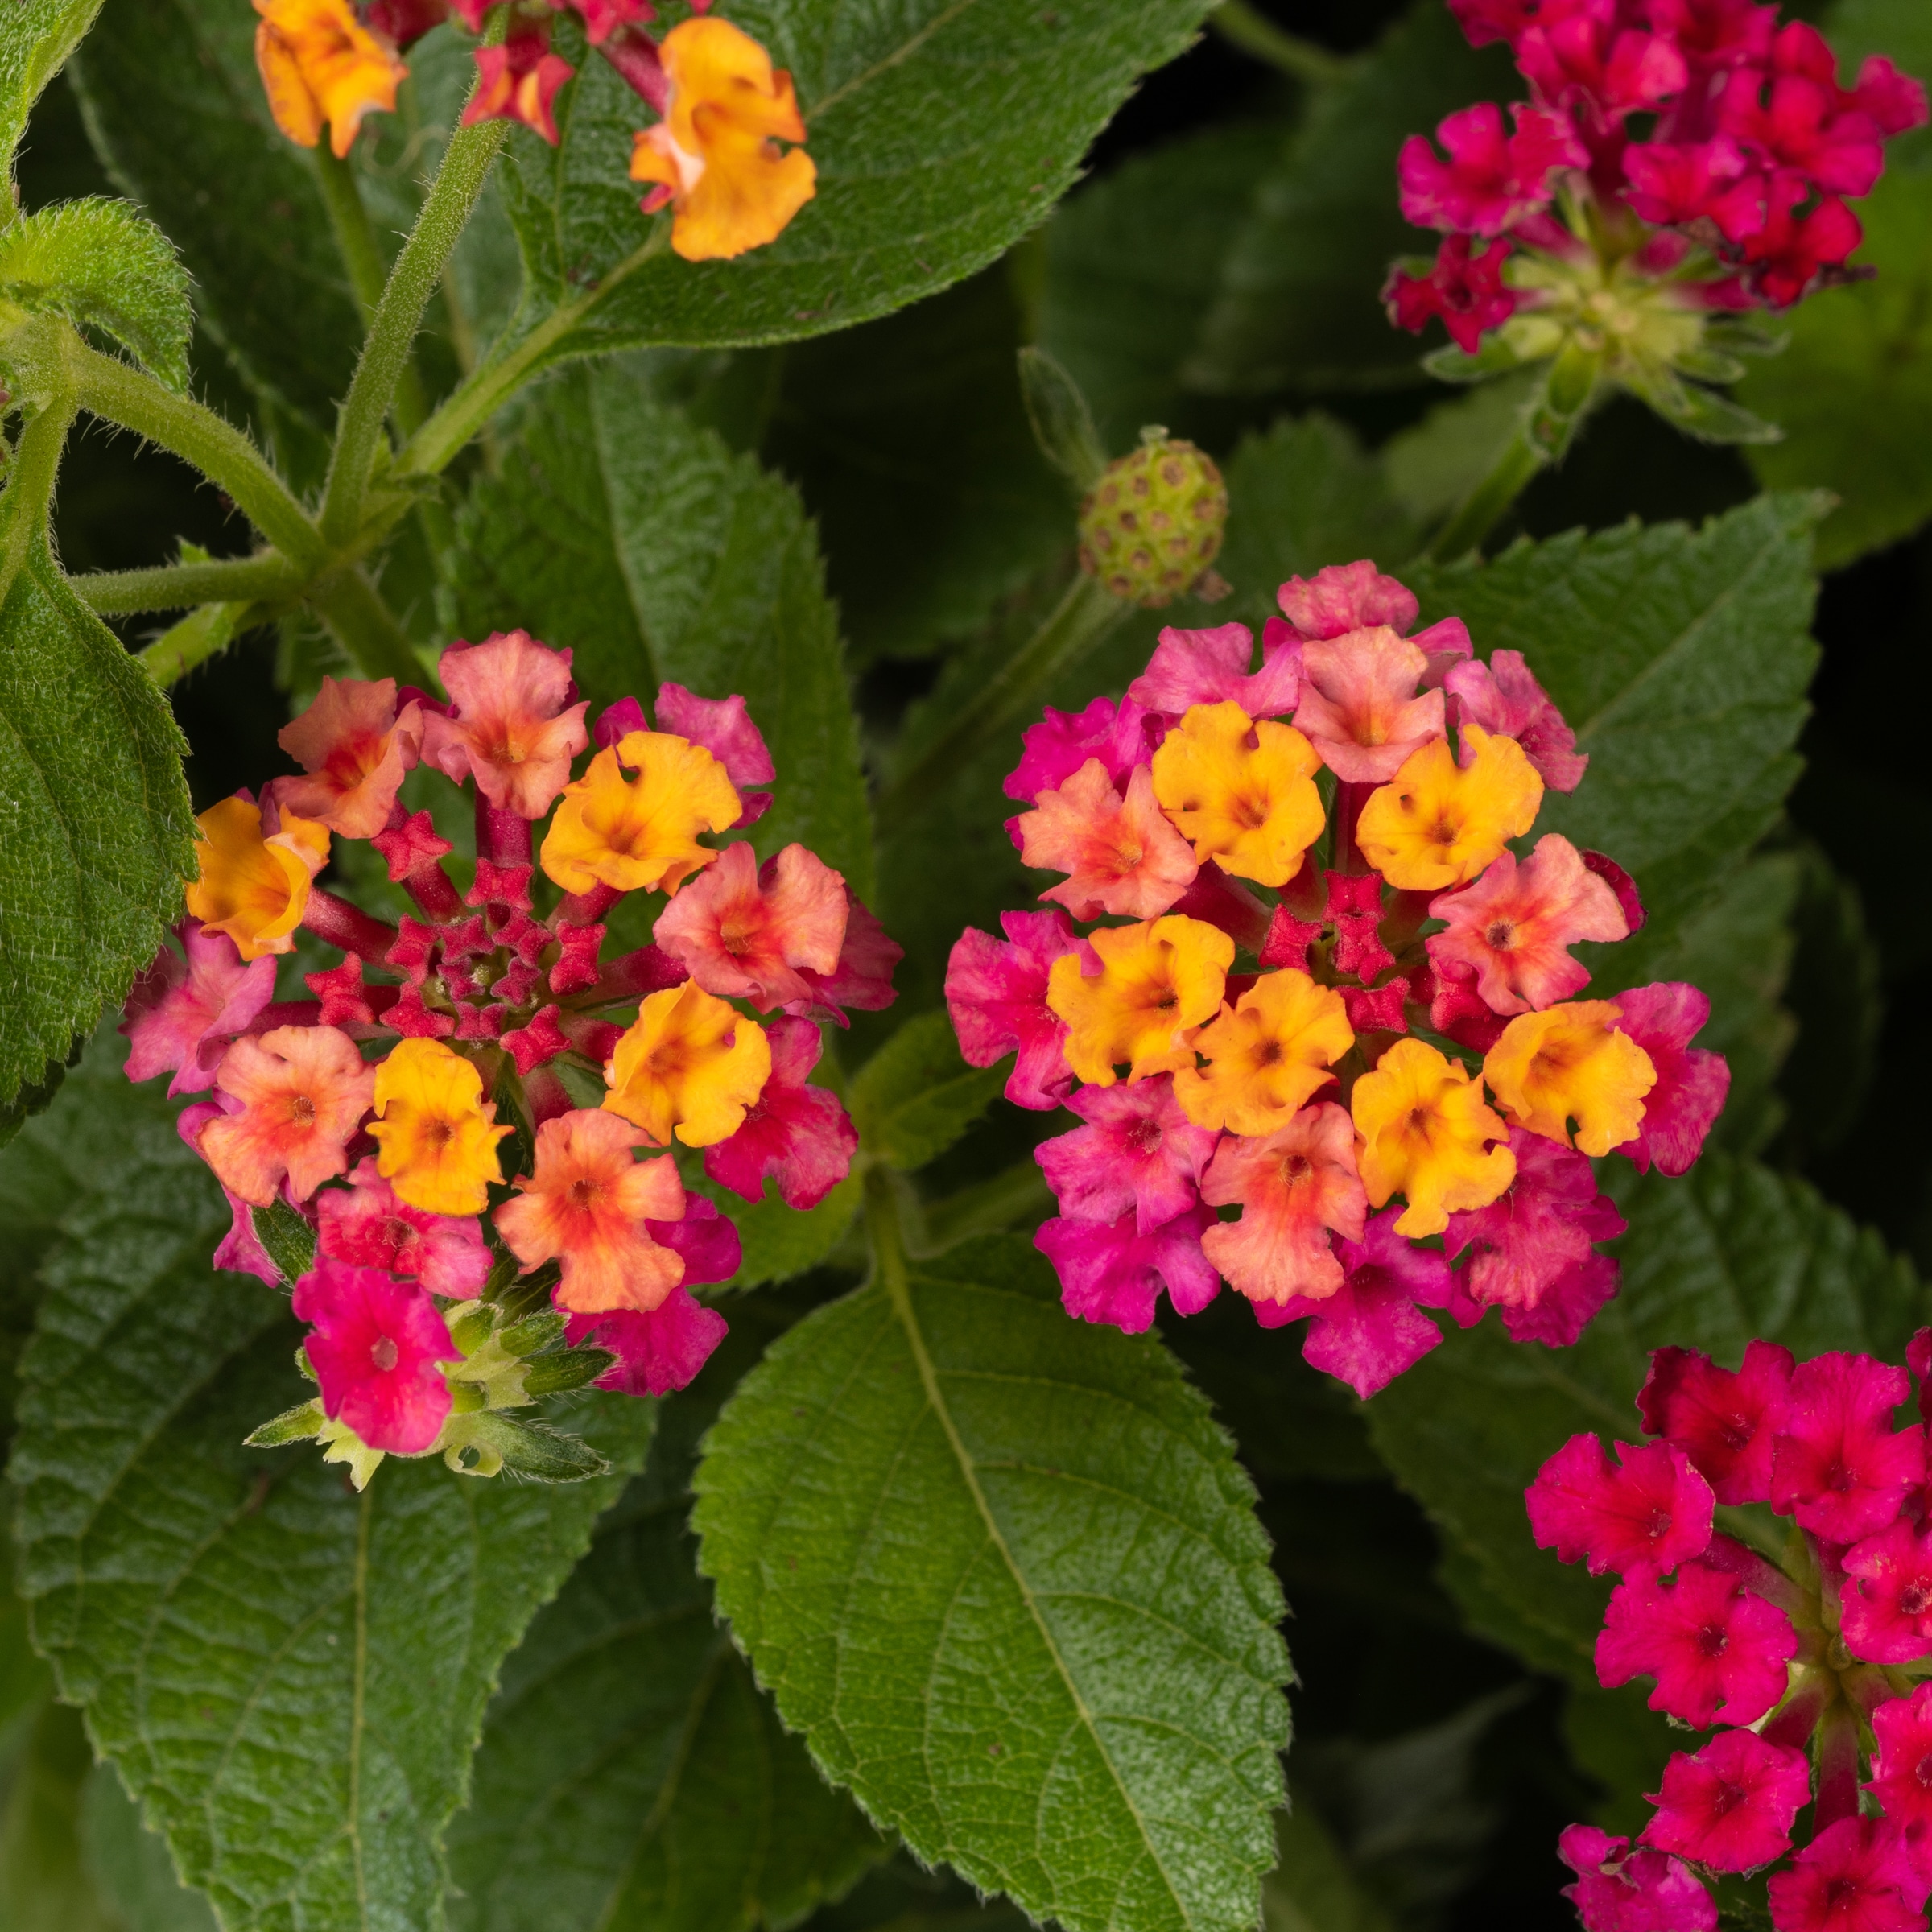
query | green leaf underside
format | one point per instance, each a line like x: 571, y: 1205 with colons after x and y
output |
x: 101, y: 263
x: 175, y: 109
x: 96, y: 829
x: 624, y: 532
x: 1003, y: 1571
x: 631, y: 1777
x: 289, y: 1677
x: 1680, y: 659
x: 915, y: 1096
x: 942, y: 131
x: 36, y: 36
x: 1731, y: 1252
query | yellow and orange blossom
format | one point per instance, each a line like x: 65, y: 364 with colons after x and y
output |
x: 437, y: 1146
x: 1437, y: 823
x: 1422, y: 1131
x: 642, y: 834
x: 1251, y: 806
x: 689, y: 1062
x: 253, y: 889
x: 1158, y: 982
x: 321, y: 65
x: 1569, y: 1063
x: 715, y: 155
x: 1267, y: 1057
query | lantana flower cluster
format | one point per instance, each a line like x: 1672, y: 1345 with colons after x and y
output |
x: 1675, y: 158
x: 431, y: 1111
x: 1397, y: 1019
x: 713, y: 154
x: 1799, y: 1632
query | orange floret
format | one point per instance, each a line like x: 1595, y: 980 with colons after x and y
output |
x: 1157, y: 981
x: 304, y: 1090
x: 1266, y: 1057
x: 1439, y: 823
x: 690, y: 1063
x: 1571, y: 1063
x: 715, y: 155
x: 1244, y: 793
x: 354, y: 747
x: 253, y: 889
x: 321, y: 66
x: 437, y: 1144
x: 639, y: 836
x: 585, y: 1207
x: 1422, y: 1131
x: 1121, y: 855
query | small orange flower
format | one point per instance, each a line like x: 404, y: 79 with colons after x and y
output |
x: 1569, y: 1063
x: 303, y: 1089
x: 586, y: 1207
x: 689, y: 1062
x: 640, y: 835
x: 511, y: 725
x: 253, y: 889
x: 1266, y: 1057
x: 355, y: 749
x: 321, y: 65
x: 715, y: 155
x: 438, y: 1145
x: 1120, y: 856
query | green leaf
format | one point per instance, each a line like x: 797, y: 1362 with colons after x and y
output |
x: 909, y: 441
x: 36, y: 36
x: 631, y: 1775
x: 102, y: 264
x: 915, y: 1096
x: 1853, y: 392
x: 781, y: 1242
x: 941, y: 132
x: 44, y: 1885
x: 175, y: 109
x: 1901, y: 29
x: 130, y: 1864
x: 96, y: 833
x: 1129, y: 261
x: 290, y: 1677
x: 1299, y: 305
x: 1433, y: 464
x: 1087, y: 1721
x: 1312, y: 1889
x: 620, y: 530
x: 1681, y: 658
x: 1731, y: 1252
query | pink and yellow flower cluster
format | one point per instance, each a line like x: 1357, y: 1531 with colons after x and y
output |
x: 1808, y: 1649
x: 432, y: 1109
x: 1383, y: 1064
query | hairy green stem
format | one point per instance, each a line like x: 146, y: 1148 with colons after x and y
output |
x: 464, y: 415
x: 364, y: 626
x: 1484, y: 508
x: 1255, y: 34
x: 202, y: 635
x: 116, y: 594
x: 466, y: 164
x: 1082, y: 618
x: 117, y: 392
x: 30, y: 487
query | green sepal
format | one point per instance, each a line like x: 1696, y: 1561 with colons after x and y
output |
x: 568, y: 1369
x: 1497, y: 355
x: 1697, y: 412
x: 500, y: 1442
x: 300, y: 1424
x: 1063, y: 423
x: 290, y: 1240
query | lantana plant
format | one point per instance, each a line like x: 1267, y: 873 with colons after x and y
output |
x: 424, y: 1278
x: 1408, y: 1025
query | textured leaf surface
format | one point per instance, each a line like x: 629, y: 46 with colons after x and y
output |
x: 1681, y: 658
x: 622, y: 531
x: 101, y: 263
x: 915, y: 1096
x: 1730, y: 1252
x: 1003, y: 1571
x: 1299, y: 304
x: 631, y: 1777
x: 942, y: 129
x: 36, y: 36
x: 96, y: 830
x: 289, y: 1677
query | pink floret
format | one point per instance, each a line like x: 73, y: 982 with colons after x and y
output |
x: 1887, y: 1595
x: 1692, y: 1083
x: 365, y: 1225
x: 708, y: 1243
x: 1544, y: 1223
x: 1190, y: 667
x: 1731, y: 1806
x: 658, y: 1353
x: 1492, y: 178
x: 795, y: 1134
x: 1138, y: 1153
x: 1724, y: 1421
x: 996, y: 992
x: 375, y: 1347
x: 1111, y: 1272
x: 861, y: 982
x: 183, y: 1013
x: 1901, y: 1776
x: 1646, y: 1512
x: 1568, y: 1306
x: 1857, y: 1875
x: 1115, y: 734
x: 1620, y: 1890
x: 723, y: 727
x: 240, y: 1251
x: 1837, y: 1465
x: 1716, y: 1651
x: 1503, y: 696
x: 1342, y: 597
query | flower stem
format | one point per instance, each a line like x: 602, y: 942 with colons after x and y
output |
x: 1083, y: 617
x: 117, y: 392
x: 203, y: 633
x: 115, y: 593
x: 1484, y: 507
x: 30, y: 487
x: 365, y: 628
x: 1253, y: 33
x: 466, y: 164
